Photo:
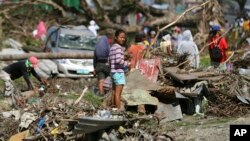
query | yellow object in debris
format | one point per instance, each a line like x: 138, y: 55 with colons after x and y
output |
x: 122, y: 130
x: 246, y: 25
x: 20, y: 136
x: 229, y: 53
x: 146, y: 43
x: 55, y: 131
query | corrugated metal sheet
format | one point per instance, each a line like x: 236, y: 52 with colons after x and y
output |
x: 91, y: 124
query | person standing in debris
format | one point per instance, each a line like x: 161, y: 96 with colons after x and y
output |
x: 217, y: 46
x: 166, y: 45
x: 176, y: 38
x: 188, y: 46
x: 93, y: 27
x: 136, y: 49
x: 40, y: 33
x: 152, y: 38
x: 18, y: 69
x: 117, y: 66
x: 101, y: 65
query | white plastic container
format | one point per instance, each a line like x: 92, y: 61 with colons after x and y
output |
x: 244, y: 71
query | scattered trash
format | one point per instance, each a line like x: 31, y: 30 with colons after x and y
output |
x: 10, y: 114
x: 19, y: 136
x: 27, y: 119
x: 244, y: 71
x: 41, y: 123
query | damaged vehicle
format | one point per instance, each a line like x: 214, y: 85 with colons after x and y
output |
x: 72, y: 39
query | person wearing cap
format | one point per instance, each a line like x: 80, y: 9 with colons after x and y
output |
x: 16, y: 70
x: 217, y: 40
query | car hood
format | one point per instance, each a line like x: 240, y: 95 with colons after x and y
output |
x: 62, y: 50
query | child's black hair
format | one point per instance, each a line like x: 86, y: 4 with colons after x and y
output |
x: 118, y: 31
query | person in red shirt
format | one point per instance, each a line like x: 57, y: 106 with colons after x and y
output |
x: 136, y: 49
x: 217, y: 40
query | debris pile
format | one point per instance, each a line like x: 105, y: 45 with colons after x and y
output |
x: 160, y: 89
x: 53, y: 117
x: 226, y: 106
x: 42, y: 116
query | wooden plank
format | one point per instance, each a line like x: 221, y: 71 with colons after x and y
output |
x: 172, y: 71
x: 211, y: 78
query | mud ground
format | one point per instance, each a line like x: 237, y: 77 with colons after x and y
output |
x: 192, y: 128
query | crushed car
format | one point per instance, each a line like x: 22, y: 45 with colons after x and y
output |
x: 71, y: 39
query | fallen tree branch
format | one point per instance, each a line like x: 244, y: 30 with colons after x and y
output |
x: 56, y: 6
x: 21, y: 3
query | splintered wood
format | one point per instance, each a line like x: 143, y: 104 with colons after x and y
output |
x: 167, y: 90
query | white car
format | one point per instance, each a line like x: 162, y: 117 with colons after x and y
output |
x: 72, y: 39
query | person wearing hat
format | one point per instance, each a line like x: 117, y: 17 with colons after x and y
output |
x: 216, y: 41
x: 16, y: 70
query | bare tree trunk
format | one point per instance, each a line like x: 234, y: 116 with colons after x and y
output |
x: 1, y: 27
x: 47, y: 56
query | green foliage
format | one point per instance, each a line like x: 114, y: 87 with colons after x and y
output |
x: 204, y: 61
x: 72, y: 3
x: 32, y: 42
x: 90, y: 97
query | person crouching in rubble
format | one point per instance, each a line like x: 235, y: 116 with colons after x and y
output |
x: 18, y: 69
x: 101, y: 64
x: 187, y: 45
x: 117, y: 66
